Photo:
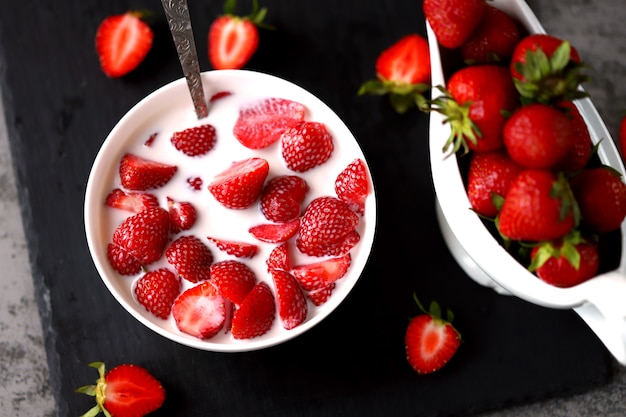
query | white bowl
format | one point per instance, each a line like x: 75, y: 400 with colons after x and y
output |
x: 599, y: 301
x: 170, y: 109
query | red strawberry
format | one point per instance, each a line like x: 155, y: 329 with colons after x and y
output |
x: 200, y: 311
x: 566, y: 263
x: 548, y: 44
x: 241, y: 183
x: 321, y: 295
x: 157, y: 290
x: 281, y: 198
x: 352, y: 185
x: 182, y: 215
x: 488, y: 177
x: 337, y: 248
x: 493, y: 40
x: 262, y: 122
x: 234, y: 279
x: 476, y: 115
x: 122, y: 43
x: 236, y: 248
x: 122, y: 261
x: 291, y: 302
x: 144, y: 235
x: 580, y: 152
x: 255, y: 315
x: 453, y: 21
x: 137, y: 173
x: 191, y: 258
x: 326, y: 220
x: 430, y: 340
x: 321, y: 274
x: 622, y: 136
x: 148, y: 142
x: 195, y: 141
x: 232, y: 39
x: 538, y: 136
x: 195, y: 183
x: 279, y: 258
x: 306, y: 146
x: 275, y: 232
x: 219, y: 95
x: 125, y: 391
x: 539, y: 206
x: 403, y: 72
x: 131, y: 201
x: 601, y: 196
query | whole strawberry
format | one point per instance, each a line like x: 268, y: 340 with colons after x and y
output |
x: 306, y: 146
x: 493, y: 40
x: 580, y: 151
x: 431, y: 340
x: 125, y: 391
x: 453, y: 21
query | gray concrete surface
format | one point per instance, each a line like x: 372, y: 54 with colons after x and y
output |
x: 597, y: 28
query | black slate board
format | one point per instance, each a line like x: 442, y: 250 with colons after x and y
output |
x: 59, y: 108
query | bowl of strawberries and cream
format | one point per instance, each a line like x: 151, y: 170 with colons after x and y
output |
x: 234, y: 232
x: 530, y: 193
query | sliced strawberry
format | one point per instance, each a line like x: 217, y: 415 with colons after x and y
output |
x: 352, y: 185
x: 195, y: 183
x: 326, y: 220
x: 122, y: 43
x: 255, y: 315
x: 262, y: 122
x: 279, y: 258
x: 157, y: 290
x: 321, y: 295
x: 234, y: 279
x: 140, y: 174
x: 200, y: 311
x: 125, y: 391
x: 281, y: 198
x: 318, y: 275
x: 232, y: 42
x: 236, y: 248
x: 292, y: 306
x: 131, y: 201
x: 240, y: 185
x: 191, y: 258
x: 219, y: 95
x: 337, y: 248
x: 183, y: 215
x: 122, y: 261
x: 275, y: 232
x: 151, y: 139
x: 431, y: 340
x: 144, y: 235
x: 305, y: 146
x: 194, y: 141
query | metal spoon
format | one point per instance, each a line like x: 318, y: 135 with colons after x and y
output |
x: 177, y: 13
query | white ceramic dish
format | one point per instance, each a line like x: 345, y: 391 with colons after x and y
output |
x: 601, y: 301
x: 169, y: 109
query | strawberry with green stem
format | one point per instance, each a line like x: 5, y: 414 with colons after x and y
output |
x: 403, y: 73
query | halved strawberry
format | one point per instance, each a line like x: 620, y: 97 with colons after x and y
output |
x: 281, y: 198
x: 140, y: 174
x: 122, y: 43
x: 275, y: 232
x: 144, y: 235
x: 125, y: 391
x: 241, y: 183
x: 157, y: 290
x: 292, y: 306
x: 336, y: 248
x: 234, y: 279
x: 262, y: 122
x: 122, y: 261
x: 182, y: 215
x: 314, y: 276
x: 131, y: 201
x: 219, y: 95
x: 352, y: 185
x: 321, y: 295
x: 194, y: 141
x: 255, y: 315
x: 195, y: 183
x: 325, y: 221
x: 306, y: 146
x: 232, y: 40
x: 279, y: 258
x: 191, y: 258
x: 236, y: 248
x: 431, y: 340
x: 200, y: 311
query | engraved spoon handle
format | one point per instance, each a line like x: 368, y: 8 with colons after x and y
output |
x: 177, y: 13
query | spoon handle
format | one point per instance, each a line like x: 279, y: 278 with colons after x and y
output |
x: 177, y: 13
